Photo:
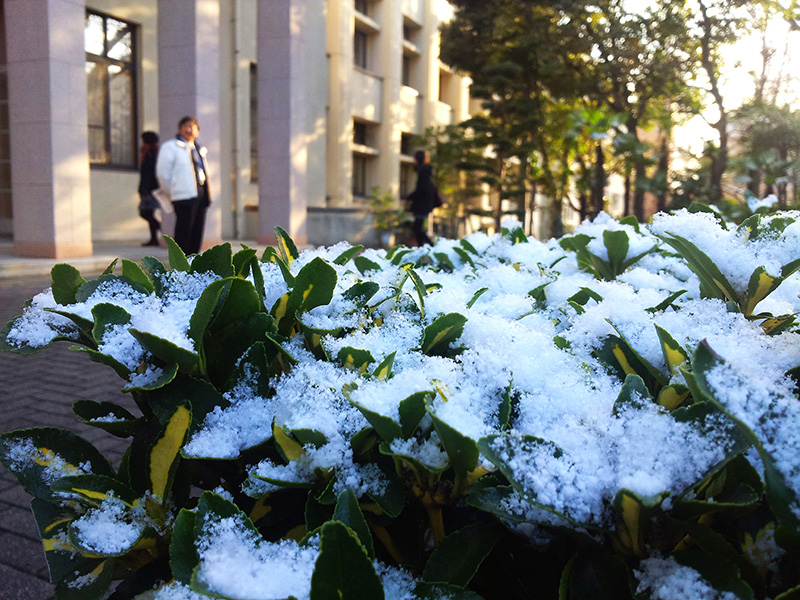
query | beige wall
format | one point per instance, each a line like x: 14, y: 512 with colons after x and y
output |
x: 115, y: 200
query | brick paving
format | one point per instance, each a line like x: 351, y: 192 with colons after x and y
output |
x: 38, y: 391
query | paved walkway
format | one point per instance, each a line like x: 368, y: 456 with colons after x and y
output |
x: 38, y: 391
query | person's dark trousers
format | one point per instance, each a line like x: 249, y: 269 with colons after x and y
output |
x: 185, y: 216
x: 198, y: 226
x: 419, y: 230
x: 149, y: 215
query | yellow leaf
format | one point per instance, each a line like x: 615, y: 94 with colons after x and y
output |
x: 675, y: 357
x: 630, y: 516
x: 260, y: 510
x: 166, y: 449
x: 765, y: 283
x: 291, y: 449
x: 623, y: 361
x: 723, y: 290
x: 383, y: 373
x: 280, y: 308
x: 670, y: 399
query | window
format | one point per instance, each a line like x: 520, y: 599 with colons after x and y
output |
x: 359, y: 175
x: 359, y: 133
x: 406, y: 70
x: 408, y: 179
x: 362, y: 6
x: 110, y: 46
x: 253, y: 123
x: 405, y: 143
x: 360, y: 40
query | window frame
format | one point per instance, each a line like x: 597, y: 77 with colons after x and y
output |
x: 132, y: 66
x: 361, y: 50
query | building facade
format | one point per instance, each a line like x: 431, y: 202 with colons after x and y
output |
x: 306, y: 106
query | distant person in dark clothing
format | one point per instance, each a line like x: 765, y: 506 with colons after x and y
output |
x: 421, y: 200
x: 147, y: 183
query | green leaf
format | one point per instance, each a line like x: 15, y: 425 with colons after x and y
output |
x: 106, y: 317
x: 441, y: 333
x: 636, y: 515
x: 616, y: 243
x: 361, y: 292
x: 674, y: 355
x: 384, y: 370
x: 109, y: 270
x: 108, y: 416
x: 363, y: 264
x: 166, y: 377
x: 182, y: 553
x: 420, y: 287
x: 349, y: 513
x: 345, y: 256
x: 437, y: 591
x: 286, y: 248
x: 104, y: 359
x: 633, y: 394
x: 461, y: 450
x: 218, y: 259
x: 459, y: 555
x: 135, y: 273
x: 595, y: 574
x: 583, y: 296
x: 90, y: 581
x: 468, y: 246
x: 712, y: 282
x: 666, y: 303
x: 92, y: 490
x: 444, y: 262
x: 53, y: 522
x: 721, y: 574
x: 66, y: 280
x: 781, y: 497
x: 343, y: 570
x: 177, y: 259
x: 412, y: 409
x: 477, y: 295
x: 243, y: 261
x: 465, y: 258
x: 37, y: 457
x: 760, y: 286
x: 384, y: 426
x: 353, y: 358
x: 271, y: 256
x: 166, y: 350
x: 202, y: 396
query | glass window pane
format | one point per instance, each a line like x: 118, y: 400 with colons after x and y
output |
x: 97, y: 145
x: 120, y: 47
x: 120, y: 92
x: 93, y: 35
x: 95, y: 94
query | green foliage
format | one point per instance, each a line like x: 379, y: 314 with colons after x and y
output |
x: 449, y: 520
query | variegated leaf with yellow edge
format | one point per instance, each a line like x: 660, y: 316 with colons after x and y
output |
x: 38, y: 457
x: 285, y: 244
x: 635, y: 515
x: 761, y: 285
x: 165, y: 453
x: 94, y: 489
x: 289, y: 448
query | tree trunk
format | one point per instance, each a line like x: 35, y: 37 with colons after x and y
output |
x: 638, y: 192
x: 627, y: 191
x: 663, y: 169
x: 599, y: 180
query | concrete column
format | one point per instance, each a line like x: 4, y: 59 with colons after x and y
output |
x: 339, y: 163
x: 391, y: 68
x: 49, y: 140
x: 189, y: 84
x: 283, y: 110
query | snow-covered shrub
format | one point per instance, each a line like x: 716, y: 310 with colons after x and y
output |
x: 491, y: 417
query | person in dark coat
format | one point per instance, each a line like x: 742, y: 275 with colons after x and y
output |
x: 421, y: 200
x: 147, y: 183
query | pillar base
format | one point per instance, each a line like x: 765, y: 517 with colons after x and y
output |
x: 46, y: 250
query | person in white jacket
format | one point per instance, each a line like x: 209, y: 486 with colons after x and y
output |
x: 183, y: 176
